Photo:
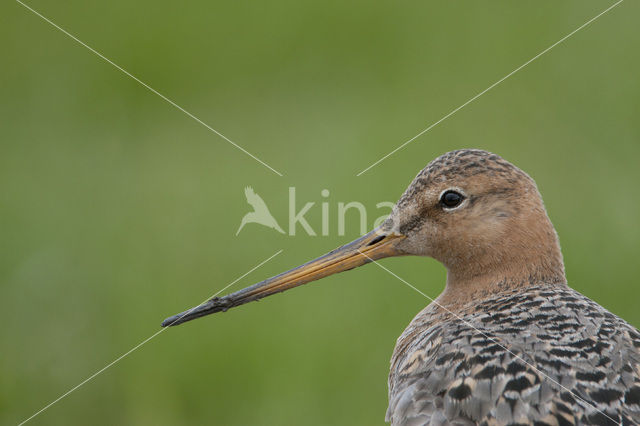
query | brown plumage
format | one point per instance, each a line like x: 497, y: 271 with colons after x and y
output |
x: 507, y: 342
x: 500, y: 231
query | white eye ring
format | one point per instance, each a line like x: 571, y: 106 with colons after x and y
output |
x: 461, y: 199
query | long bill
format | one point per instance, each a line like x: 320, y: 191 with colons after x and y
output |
x: 375, y: 245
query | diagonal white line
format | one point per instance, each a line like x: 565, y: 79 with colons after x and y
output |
x: 146, y: 86
x: 492, y: 86
x: 88, y: 379
x: 493, y: 339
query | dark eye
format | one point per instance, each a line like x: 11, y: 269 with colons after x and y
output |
x: 451, y: 199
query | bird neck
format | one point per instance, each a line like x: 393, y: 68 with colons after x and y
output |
x: 528, y: 255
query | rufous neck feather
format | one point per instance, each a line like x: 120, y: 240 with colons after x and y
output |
x: 527, y: 254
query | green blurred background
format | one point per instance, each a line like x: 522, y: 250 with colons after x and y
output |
x: 117, y: 210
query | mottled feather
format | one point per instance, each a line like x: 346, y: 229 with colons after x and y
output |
x: 545, y: 356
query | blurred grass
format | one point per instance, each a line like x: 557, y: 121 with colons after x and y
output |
x: 117, y: 210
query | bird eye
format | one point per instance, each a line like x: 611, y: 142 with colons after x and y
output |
x: 451, y: 199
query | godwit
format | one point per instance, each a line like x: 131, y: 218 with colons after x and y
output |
x: 507, y: 341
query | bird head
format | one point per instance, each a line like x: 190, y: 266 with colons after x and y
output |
x: 479, y: 215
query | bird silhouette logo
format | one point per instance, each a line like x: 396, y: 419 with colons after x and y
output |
x: 260, y: 213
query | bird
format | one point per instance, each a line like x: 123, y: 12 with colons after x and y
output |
x: 508, y: 341
x: 260, y: 213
